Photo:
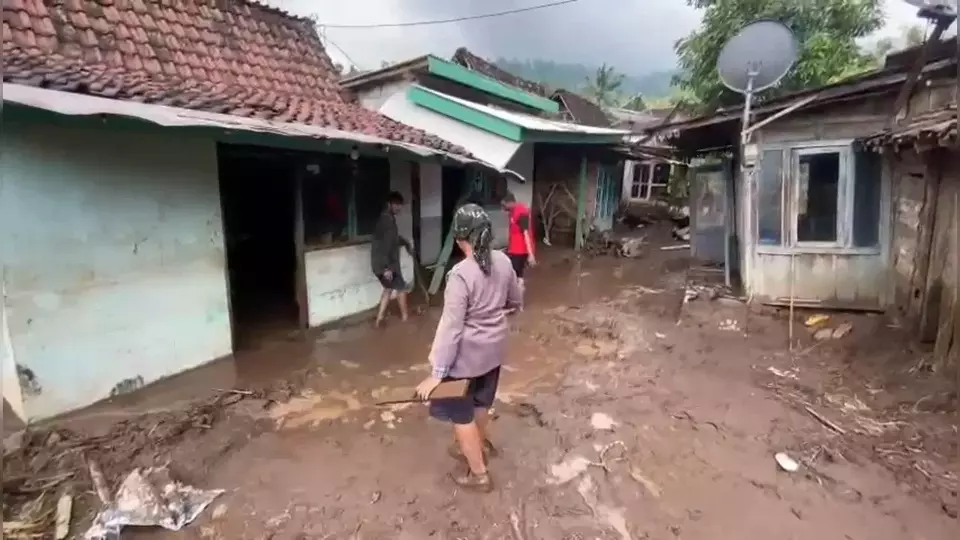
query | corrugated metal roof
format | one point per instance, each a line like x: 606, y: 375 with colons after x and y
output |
x: 527, y: 121
x: 71, y: 104
x: 938, y: 127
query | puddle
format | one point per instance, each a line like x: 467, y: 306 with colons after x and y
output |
x: 312, y: 408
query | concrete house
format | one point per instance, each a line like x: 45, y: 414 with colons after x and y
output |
x: 847, y: 195
x: 179, y: 179
x: 508, y: 122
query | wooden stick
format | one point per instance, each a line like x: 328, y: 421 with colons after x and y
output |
x: 823, y: 420
x: 99, y: 483
x: 792, y: 296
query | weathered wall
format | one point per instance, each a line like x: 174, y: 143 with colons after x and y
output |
x: 838, y: 277
x: 909, y: 185
x: 375, y: 96
x: 114, y: 260
x: 431, y: 212
x: 340, y: 282
x: 12, y: 395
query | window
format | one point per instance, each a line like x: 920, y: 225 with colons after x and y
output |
x: 828, y: 196
x: 343, y: 198
x: 770, y: 198
x: 641, y: 180
x: 650, y: 180
x: 818, y: 191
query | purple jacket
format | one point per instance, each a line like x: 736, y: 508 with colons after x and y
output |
x: 471, y: 338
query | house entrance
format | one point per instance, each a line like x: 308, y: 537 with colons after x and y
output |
x: 257, y: 191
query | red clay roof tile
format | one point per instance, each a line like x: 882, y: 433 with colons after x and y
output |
x: 232, y: 56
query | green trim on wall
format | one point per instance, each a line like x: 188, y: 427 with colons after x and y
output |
x: 468, y: 77
x: 468, y: 115
x: 556, y: 137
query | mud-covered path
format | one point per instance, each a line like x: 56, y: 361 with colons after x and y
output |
x: 621, y: 416
x: 617, y: 420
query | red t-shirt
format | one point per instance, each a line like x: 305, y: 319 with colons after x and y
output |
x: 519, y: 223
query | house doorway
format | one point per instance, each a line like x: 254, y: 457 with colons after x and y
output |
x: 258, y: 198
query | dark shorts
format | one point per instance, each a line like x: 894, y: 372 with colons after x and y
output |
x: 519, y: 263
x: 395, y: 283
x: 480, y: 395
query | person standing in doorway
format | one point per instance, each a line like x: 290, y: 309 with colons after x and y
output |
x: 471, y: 342
x: 385, y: 258
x: 520, y: 236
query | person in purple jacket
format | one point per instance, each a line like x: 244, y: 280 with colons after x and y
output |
x: 471, y: 341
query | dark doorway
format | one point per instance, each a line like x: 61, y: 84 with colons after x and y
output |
x: 453, y: 182
x: 257, y: 191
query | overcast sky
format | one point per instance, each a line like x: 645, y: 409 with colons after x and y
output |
x: 636, y: 36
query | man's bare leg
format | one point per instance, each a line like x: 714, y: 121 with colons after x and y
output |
x: 471, y: 444
x: 402, y: 301
x: 482, y: 418
x: 382, y: 309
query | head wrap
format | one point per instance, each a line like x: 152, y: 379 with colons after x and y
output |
x: 471, y: 223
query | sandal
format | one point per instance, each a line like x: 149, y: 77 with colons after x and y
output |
x: 489, y: 451
x: 481, y: 483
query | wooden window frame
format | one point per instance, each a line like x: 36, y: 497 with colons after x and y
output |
x: 790, y: 194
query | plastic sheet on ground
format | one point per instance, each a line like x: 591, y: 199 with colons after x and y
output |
x: 150, y: 497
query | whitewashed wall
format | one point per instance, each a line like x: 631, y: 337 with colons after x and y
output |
x: 115, y: 266
x: 8, y: 377
x: 340, y: 282
x: 431, y: 212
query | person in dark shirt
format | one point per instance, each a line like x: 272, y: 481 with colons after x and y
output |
x: 385, y: 258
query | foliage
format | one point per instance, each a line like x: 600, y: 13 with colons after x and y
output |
x: 604, y: 87
x: 636, y: 102
x: 570, y: 76
x: 826, y: 30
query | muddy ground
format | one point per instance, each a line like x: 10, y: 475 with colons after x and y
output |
x: 624, y: 413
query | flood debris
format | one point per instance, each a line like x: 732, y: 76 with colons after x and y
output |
x: 826, y: 422
x: 786, y: 463
x: 603, y: 422
x: 816, y: 320
x: 150, y: 497
x: 63, y: 515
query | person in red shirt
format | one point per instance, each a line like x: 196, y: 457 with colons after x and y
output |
x: 520, y: 236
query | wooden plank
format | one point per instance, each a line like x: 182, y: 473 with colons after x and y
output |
x: 949, y: 307
x: 921, y: 261
x: 408, y: 394
x: 581, y: 204
x: 299, y: 240
x: 447, y: 250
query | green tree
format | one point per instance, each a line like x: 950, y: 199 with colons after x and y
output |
x: 633, y: 102
x: 913, y: 35
x: 826, y: 30
x: 604, y: 87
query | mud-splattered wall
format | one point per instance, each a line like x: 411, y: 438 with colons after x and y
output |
x: 114, y: 258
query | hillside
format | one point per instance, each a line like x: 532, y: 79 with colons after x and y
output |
x: 655, y: 84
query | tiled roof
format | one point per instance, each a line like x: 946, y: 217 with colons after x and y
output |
x: 471, y: 61
x: 937, y: 127
x: 228, y: 56
x: 583, y: 110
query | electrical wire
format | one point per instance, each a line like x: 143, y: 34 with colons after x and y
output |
x: 452, y: 20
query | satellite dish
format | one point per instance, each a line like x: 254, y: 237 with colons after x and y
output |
x: 757, y: 57
x: 935, y: 9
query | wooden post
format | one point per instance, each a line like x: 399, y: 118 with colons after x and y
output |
x: 299, y: 241
x: 581, y: 224
x: 581, y: 204
x: 447, y: 250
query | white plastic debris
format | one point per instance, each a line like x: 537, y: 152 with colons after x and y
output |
x: 786, y: 462
x: 147, y: 498
x: 603, y: 422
